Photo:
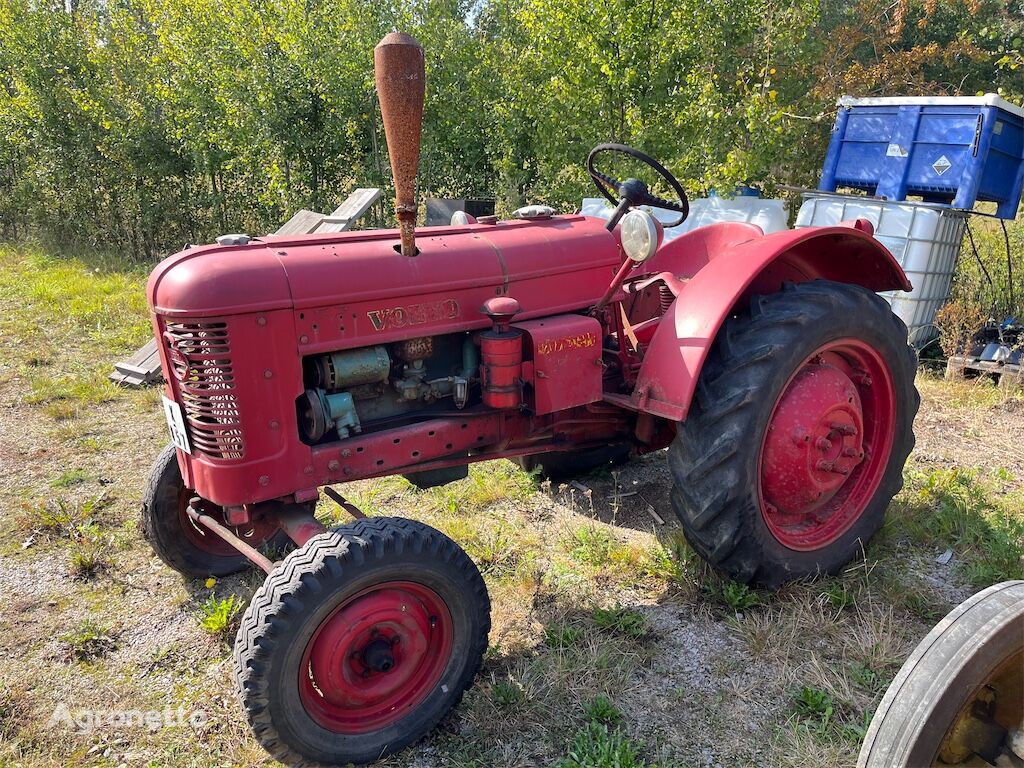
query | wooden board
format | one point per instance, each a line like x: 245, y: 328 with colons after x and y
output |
x: 346, y: 214
x: 302, y: 223
x: 141, y: 368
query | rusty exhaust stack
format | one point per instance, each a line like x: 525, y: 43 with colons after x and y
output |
x: 398, y: 65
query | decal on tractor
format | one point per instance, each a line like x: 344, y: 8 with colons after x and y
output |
x: 579, y: 341
x: 413, y: 314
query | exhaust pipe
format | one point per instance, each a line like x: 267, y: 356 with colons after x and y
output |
x: 398, y: 66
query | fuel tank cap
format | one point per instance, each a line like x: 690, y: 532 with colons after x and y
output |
x: 236, y: 239
x: 534, y: 212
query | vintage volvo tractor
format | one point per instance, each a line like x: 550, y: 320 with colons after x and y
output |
x: 780, y: 383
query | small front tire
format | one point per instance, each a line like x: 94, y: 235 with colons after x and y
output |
x: 178, y: 540
x: 360, y: 642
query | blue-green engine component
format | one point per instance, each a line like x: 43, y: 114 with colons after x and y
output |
x: 352, y: 367
x: 329, y: 411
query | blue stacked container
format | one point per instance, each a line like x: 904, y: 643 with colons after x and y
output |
x: 949, y: 150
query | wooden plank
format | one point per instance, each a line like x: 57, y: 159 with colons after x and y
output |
x: 301, y: 223
x: 350, y: 211
x: 141, y: 368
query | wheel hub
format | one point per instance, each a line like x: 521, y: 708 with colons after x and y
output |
x: 376, y: 656
x: 827, y: 444
x: 814, y: 441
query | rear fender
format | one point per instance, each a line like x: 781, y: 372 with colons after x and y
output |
x: 721, y: 280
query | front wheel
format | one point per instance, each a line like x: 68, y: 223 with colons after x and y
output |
x: 182, y: 543
x: 796, y: 439
x: 360, y: 642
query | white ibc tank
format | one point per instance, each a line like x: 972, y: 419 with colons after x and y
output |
x: 769, y: 215
x: 924, y: 238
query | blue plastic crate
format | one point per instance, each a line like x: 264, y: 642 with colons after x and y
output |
x: 951, y: 150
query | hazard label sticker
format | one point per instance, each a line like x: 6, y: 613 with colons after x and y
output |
x: 941, y: 165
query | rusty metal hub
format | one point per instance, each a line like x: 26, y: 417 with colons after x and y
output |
x: 827, y: 444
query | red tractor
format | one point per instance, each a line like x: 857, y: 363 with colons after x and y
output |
x: 781, y: 384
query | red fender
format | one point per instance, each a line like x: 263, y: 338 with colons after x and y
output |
x: 722, y: 266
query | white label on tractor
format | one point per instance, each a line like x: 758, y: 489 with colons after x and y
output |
x: 895, y: 150
x: 176, y: 425
x: 941, y: 165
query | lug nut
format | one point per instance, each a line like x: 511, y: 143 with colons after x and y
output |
x: 843, y: 429
x: 823, y: 444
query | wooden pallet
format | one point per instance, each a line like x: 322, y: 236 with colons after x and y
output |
x: 143, y: 367
x: 1010, y: 376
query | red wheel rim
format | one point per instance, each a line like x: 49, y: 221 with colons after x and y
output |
x: 257, y: 532
x: 827, y: 444
x: 375, y: 657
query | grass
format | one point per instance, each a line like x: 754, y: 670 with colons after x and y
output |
x: 621, y: 621
x: 218, y: 616
x: 88, y: 641
x: 968, y: 511
x: 598, y: 746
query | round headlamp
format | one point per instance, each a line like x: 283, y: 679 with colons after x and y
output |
x: 641, y: 234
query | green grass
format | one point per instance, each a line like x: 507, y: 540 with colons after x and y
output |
x: 601, y: 710
x: 597, y: 746
x: 621, y: 621
x: 559, y: 635
x: 100, y: 299
x: 965, y: 510
x: 88, y: 641
x: 69, y: 477
x: 218, y: 615
x: 507, y: 693
x: 814, y: 705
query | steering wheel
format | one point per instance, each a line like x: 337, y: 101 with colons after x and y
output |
x: 633, y: 192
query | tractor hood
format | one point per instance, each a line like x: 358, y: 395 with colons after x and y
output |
x: 565, y: 261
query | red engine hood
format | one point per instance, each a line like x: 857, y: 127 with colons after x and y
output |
x: 565, y: 261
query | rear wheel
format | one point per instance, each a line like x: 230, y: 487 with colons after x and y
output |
x: 562, y: 465
x: 360, y: 642
x: 182, y: 543
x: 796, y: 439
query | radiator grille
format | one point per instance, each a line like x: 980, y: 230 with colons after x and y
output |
x: 200, y: 354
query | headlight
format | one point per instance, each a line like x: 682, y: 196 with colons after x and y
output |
x: 641, y: 234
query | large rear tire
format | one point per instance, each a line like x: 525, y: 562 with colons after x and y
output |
x: 360, y: 642
x: 797, y: 436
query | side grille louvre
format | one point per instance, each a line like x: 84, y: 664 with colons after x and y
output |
x: 200, y: 353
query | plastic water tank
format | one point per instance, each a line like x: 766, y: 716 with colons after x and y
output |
x: 924, y: 238
x: 769, y: 215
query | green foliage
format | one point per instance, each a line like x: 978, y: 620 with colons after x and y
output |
x: 88, y: 641
x: 739, y: 597
x: 966, y: 511
x: 561, y: 635
x: 146, y: 124
x: 595, y: 746
x: 601, y: 710
x: 622, y: 621
x: 507, y: 693
x: 217, y: 616
x: 814, y: 705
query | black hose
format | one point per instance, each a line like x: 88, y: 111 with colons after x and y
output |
x: 977, y: 257
x: 1009, y: 266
